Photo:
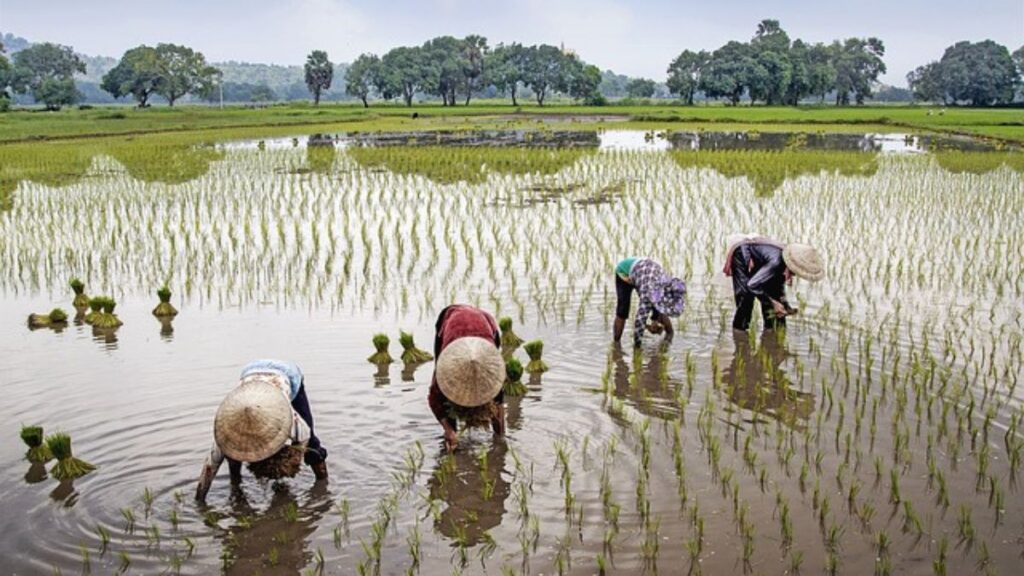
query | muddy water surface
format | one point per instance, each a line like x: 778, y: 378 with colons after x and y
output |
x: 880, y: 433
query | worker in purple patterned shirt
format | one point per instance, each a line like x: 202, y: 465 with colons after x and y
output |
x: 661, y: 297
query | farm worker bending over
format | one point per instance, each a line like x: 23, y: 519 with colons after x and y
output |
x: 661, y: 296
x: 760, y: 269
x: 266, y: 422
x: 469, y: 372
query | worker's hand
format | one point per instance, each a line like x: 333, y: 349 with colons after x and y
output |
x: 655, y: 327
x: 780, y: 309
x: 451, y: 440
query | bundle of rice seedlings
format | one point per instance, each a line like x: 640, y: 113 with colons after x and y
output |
x: 56, y: 317
x: 37, y: 450
x: 381, y: 356
x: 411, y: 354
x: 95, y: 309
x: 164, y: 308
x: 513, y: 375
x: 106, y: 318
x: 475, y: 417
x: 509, y: 339
x: 81, y: 300
x: 285, y: 463
x: 534, y: 349
x: 67, y: 466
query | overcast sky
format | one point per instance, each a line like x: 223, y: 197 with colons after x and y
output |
x: 637, y: 38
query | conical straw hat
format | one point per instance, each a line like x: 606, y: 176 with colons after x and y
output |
x: 253, y: 422
x: 804, y: 261
x: 470, y: 371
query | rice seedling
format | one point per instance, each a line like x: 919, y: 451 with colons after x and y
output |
x: 513, y: 378
x: 56, y: 318
x: 509, y: 340
x: 534, y: 349
x: 67, y: 466
x: 380, y: 344
x: 164, y: 309
x: 78, y: 287
x: 38, y: 451
x: 410, y: 353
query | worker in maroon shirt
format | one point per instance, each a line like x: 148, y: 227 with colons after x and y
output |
x: 469, y: 373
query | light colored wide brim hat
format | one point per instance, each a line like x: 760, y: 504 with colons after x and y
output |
x: 253, y: 422
x: 804, y: 261
x: 470, y: 371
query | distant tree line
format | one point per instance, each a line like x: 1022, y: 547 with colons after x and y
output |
x: 976, y: 74
x: 455, y: 69
x: 777, y: 71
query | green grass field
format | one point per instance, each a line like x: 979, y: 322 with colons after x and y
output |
x: 27, y: 125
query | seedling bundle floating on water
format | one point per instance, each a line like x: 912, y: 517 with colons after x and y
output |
x: 56, y: 317
x: 37, y: 450
x: 509, y: 339
x: 67, y: 466
x: 95, y: 309
x: 164, y: 308
x: 513, y: 378
x: 381, y: 356
x: 534, y: 349
x: 411, y: 354
x: 106, y: 317
x: 81, y: 300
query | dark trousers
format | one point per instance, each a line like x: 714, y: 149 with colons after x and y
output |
x: 623, y: 297
x: 745, y: 301
x: 315, y: 452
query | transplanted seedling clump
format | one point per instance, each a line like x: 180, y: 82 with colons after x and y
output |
x: 381, y: 356
x: 37, y: 449
x: 410, y: 353
x: 102, y: 316
x: 81, y: 300
x: 56, y: 317
x: 509, y: 339
x: 67, y: 466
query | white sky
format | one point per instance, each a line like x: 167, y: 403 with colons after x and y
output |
x: 637, y: 38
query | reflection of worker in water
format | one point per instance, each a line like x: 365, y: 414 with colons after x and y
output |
x: 474, y: 490
x: 469, y: 372
x: 265, y: 421
x: 755, y: 381
x: 276, y: 537
x: 648, y: 386
x: 661, y: 296
x: 760, y: 269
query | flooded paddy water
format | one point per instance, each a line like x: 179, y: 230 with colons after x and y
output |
x: 879, y: 434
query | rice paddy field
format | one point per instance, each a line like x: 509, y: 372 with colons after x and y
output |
x: 879, y: 434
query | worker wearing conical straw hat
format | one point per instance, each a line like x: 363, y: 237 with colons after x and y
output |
x: 761, y: 268
x: 469, y: 373
x: 661, y: 297
x: 264, y: 421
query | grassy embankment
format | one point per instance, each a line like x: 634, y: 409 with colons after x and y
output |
x: 23, y: 125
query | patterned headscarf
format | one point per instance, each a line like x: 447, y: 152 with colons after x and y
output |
x: 668, y: 296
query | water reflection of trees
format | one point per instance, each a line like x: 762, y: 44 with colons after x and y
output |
x: 447, y: 165
x: 755, y: 381
x: 646, y: 385
x: 960, y: 162
x: 65, y: 163
x: 471, y: 484
x: 276, y: 540
x: 768, y: 170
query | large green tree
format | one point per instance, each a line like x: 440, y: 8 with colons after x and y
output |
x: 319, y: 74
x: 362, y: 76
x: 545, y: 70
x: 5, y: 79
x: 926, y: 83
x: 506, y: 67
x: 139, y: 74
x: 684, y: 74
x: 47, y: 72
x: 858, y: 64
x: 977, y: 74
x: 473, y: 58
x: 183, y: 71
x: 402, y: 73
x: 728, y: 72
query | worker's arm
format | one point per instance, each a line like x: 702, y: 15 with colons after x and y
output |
x: 210, y: 467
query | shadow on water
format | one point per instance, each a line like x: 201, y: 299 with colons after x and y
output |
x: 36, y: 473
x: 275, y: 540
x: 755, y: 381
x: 472, y: 486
